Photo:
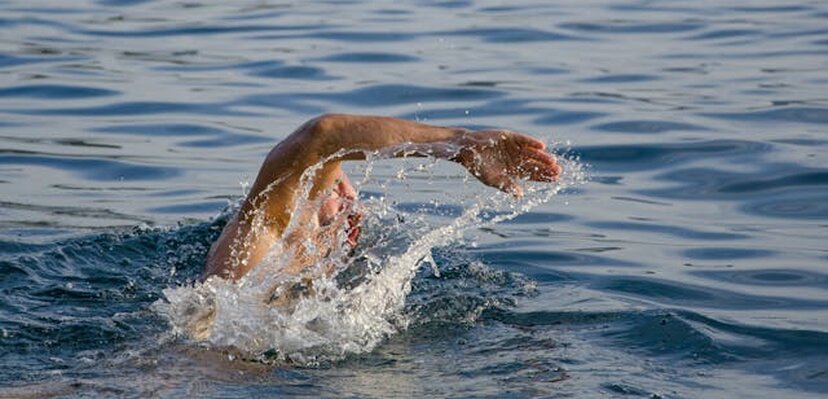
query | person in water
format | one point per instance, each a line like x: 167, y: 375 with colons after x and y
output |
x: 315, y: 151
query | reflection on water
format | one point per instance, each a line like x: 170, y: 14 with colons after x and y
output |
x: 693, y: 263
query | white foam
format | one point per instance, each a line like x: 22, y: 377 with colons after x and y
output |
x: 332, y: 322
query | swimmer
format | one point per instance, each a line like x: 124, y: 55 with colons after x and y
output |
x: 498, y: 158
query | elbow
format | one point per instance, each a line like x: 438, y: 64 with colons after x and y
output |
x: 308, y: 141
x: 323, y: 125
x: 320, y: 134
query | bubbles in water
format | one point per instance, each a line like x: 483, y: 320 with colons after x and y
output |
x: 349, y: 300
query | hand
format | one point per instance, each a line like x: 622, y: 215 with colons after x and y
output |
x: 499, y: 157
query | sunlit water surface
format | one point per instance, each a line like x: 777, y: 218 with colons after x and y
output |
x: 691, y: 264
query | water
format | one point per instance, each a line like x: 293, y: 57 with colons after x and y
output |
x: 692, y: 264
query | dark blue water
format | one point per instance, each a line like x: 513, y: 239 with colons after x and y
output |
x: 693, y: 264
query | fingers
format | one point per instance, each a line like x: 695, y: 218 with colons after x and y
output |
x: 528, y: 141
x: 538, y: 165
x: 502, y: 158
x: 558, y: 170
x: 542, y: 156
x: 537, y: 171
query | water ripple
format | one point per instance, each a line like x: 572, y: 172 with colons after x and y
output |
x: 293, y: 72
x: 194, y: 30
x: 697, y: 296
x: 10, y: 61
x: 706, y: 183
x: 55, y: 92
x: 725, y: 34
x: 373, y: 57
x: 373, y: 96
x: 786, y: 114
x: 215, y: 137
x: 521, y: 258
x: 565, y: 117
x: 132, y: 108
x: 714, y: 253
x: 664, y: 229
x: 646, y: 156
x: 632, y: 27
x: 93, y: 169
x: 622, y: 78
x: 804, y: 206
x: 510, y: 35
x: 768, y: 277
x: 650, y: 126
x: 802, y: 178
x: 345, y: 36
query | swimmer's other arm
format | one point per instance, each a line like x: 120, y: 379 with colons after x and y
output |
x: 496, y: 157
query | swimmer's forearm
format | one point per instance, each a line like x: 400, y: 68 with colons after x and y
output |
x: 354, y: 136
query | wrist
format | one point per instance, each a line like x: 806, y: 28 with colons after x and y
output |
x: 462, y: 143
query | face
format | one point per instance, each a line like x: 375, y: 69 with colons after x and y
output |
x: 339, y: 208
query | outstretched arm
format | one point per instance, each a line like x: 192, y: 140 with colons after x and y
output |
x: 496, y: 157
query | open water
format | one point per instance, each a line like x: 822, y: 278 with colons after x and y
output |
x: 693, y: 263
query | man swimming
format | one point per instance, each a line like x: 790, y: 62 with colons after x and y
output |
x: 498, y: 158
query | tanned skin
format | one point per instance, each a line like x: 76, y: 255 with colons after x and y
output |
x: 498, y: 158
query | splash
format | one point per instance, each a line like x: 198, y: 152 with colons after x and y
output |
x: 350, y: 301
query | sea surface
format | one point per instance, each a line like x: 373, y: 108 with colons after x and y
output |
x: 685, y: 254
